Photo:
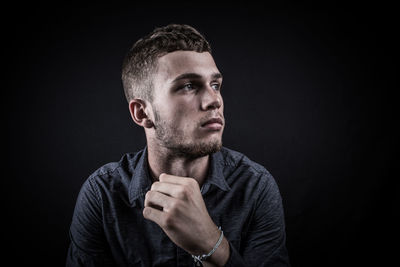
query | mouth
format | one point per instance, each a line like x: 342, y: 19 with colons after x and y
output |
x: 213, y: 124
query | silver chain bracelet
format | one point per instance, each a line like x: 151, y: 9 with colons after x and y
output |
x: 198, y: 260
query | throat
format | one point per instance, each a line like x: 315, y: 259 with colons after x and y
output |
x: 183, y: 167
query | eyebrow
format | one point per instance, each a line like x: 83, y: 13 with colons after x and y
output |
x: 192, y: 75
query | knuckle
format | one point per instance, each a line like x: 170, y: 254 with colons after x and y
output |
x: 146, y: 212
x: 162, y: 176
x: 173, y: 205
x: 154, y: 185
x: 188, y: 189
x: 149, y: 194
x: 185, y: 189
x: 192, y: 182
x: 168, y: 221
x: 181, y: 194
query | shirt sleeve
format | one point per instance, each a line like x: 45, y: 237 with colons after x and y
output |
x: 264, y: 243
x: 88, y: 246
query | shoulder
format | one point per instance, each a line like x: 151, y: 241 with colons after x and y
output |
x: 240, y: 169
x: 235, y: 159
x: 251, y: 179
x: 127, y: 162
x: 116, y: 174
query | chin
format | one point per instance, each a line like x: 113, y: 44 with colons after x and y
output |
x: 211, y: 147
x: 199, y: 149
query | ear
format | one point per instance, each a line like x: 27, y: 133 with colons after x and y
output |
x: 137, y: 108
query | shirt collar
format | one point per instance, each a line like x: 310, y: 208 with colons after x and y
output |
x: 215, y: 172
x: 141, y: 182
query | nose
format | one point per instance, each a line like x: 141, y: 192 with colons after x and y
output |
x: 211, y: 99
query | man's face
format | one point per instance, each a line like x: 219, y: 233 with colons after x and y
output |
x: 187, y: 104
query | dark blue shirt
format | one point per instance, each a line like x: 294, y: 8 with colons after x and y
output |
x: 241, y: 196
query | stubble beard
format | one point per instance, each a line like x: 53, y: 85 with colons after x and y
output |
x: 174, y: 138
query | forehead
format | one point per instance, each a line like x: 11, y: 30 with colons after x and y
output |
x: 176, y: 63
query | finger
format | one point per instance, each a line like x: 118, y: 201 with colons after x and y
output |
x: 176, y: 179
x: 173, y: 190
x: 153, y: 214
x: 156, y: 199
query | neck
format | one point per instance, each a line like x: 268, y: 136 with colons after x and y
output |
x: 163, y: 160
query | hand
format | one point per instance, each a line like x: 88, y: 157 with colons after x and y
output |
x: 177, y: 206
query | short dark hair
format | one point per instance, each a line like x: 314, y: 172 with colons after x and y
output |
x: 140, y: 61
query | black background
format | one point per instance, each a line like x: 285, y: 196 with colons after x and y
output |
x: 308, y: 93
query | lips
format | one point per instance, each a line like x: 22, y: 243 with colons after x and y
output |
x: 212, y: 121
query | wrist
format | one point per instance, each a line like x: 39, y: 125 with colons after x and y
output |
x: 217, y: 251
x: 221, y: 255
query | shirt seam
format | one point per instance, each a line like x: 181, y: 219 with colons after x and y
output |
x: 96, y: 189
x: 259, y: 170
x: 108, y: 172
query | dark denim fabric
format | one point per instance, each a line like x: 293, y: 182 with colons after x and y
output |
x: 108, y: 227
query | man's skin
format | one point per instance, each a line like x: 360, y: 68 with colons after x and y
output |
x: 183, y: 107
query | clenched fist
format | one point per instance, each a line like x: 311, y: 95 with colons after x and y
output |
x: 177, y: 206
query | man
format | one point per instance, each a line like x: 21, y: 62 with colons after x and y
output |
x: 184, y: 199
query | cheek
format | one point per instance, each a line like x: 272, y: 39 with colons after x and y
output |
x: 186, y: 116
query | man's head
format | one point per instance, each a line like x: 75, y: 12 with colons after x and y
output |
x: 173, y: 88
x: 140, y: 62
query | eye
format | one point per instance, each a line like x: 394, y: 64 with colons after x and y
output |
x: 187, y: 86
x: 216, y: 86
